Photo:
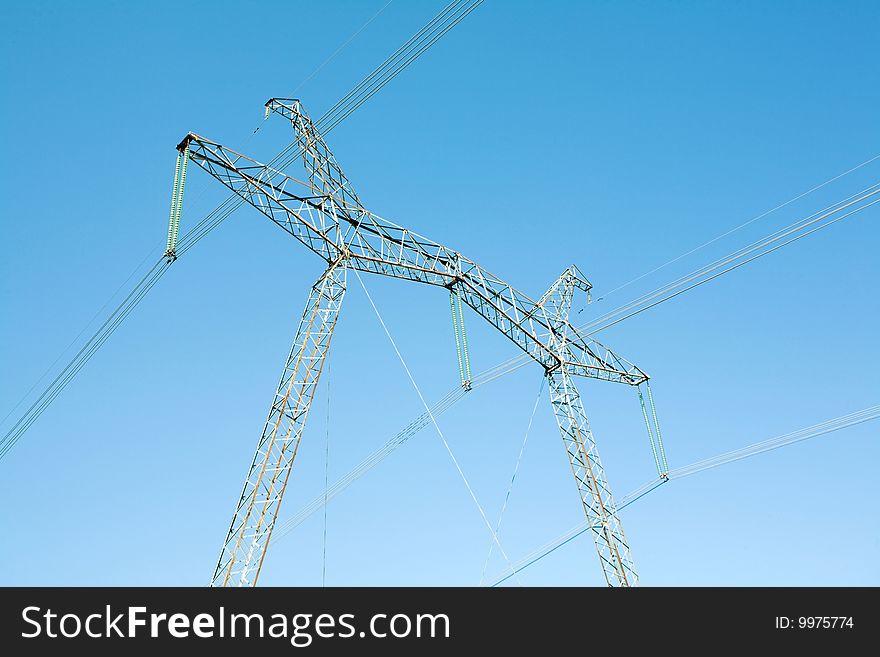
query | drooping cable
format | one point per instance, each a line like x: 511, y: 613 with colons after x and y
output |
x: 414, y: 427
x: 455, y: 19
x: 865, y: 415
x: 450, y: 16
x: 76, y: 338
x: 11, y: 437
x: 367, y: 464
x: 758, y: 249
x: 548, y: 548
x: 740, y: 226
x: 342, y: 47
x: 521, y: 360
x: 326, y: 482
x: 822, y: 428
x: 232, y: 202
x: 200, y: 230
x: 449, y: 451
x: 519, y: 456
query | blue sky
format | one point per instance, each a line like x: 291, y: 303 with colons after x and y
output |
x: 535, y: 135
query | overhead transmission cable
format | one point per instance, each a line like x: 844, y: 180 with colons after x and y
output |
x: 374, y: 458
x: 450, y: 16
x: 842, y: 422
x: 439, y: 431
x: 519, y: 456
x: 216, y: 217
x: 341, y: 48
x: 412, y: 49
x: 219, y: 214
x: 79, y: 335
x: 11, y: 437
x: 326, y: 481
x: 739, y: 227
x: 515, y: 362
x: 822, y: 428
x: 757, y: 249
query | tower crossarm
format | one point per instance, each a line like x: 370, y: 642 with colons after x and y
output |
x: 589, y: 357
x: 333, y: 224
x: 583, y: 352
x: 294, y: 205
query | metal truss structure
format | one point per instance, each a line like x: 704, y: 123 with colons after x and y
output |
x: 589, y: 475
x: 267, y: 477
x: 325, y: 214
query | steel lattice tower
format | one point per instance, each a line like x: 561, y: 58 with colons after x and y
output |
x: 325, y: 214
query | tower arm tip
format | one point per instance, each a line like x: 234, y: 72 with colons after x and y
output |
x: 186, y: 141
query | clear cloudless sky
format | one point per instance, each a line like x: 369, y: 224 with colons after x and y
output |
x: 614, y: 135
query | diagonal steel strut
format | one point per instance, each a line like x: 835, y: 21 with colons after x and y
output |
x: 251, y: 528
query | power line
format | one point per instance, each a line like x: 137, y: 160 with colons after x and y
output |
x: 456, y: 10
x: 829, y: 426
x: 78, y: 335
x: 460, y: 11
x: 522, y: 450
x: 758, y: 249
x: 385, y: 450
x: 740, y: 226
x: 213, y: 219
x: 450, y: 16
x: 449, y: 451
x: 514, y: 363
x: 326, y: 481
x: 341, y: 47
x: 865, y: 415
x: 82, y: 357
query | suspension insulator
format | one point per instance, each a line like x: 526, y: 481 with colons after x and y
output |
x: 176, y: 203
x: 464, y: 364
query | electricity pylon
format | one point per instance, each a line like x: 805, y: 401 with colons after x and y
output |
x: 325, y: 214
x: 607, y: 532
